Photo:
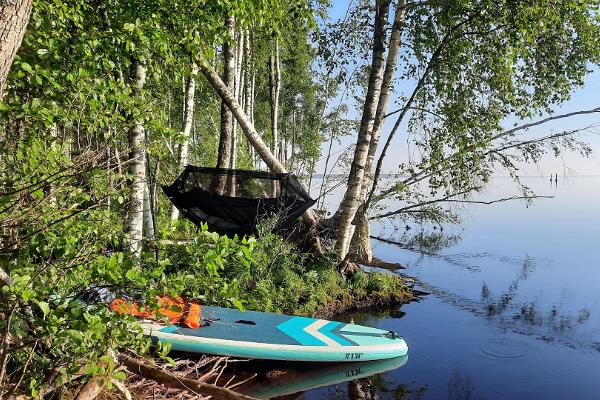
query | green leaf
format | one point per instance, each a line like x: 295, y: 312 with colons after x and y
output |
x: 131, y: 274
x: 45, y: 307
x: 26, y: 67
x: 112, y: 262
x: 120, y: 375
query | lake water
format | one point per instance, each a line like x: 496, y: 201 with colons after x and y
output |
x: 513, y: 310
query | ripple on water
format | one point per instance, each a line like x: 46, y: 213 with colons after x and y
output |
x: 502, y: 349
x: 509, y: 349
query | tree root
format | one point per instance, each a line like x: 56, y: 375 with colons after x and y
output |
x: 348, y: 268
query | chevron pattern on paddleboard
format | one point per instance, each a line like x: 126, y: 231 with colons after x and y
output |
x: 314, y: 332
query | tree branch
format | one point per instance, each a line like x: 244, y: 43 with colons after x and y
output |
x: 426, y: 203
x: 430, y: 65
x: 427, y: 171
x: 448, y: 199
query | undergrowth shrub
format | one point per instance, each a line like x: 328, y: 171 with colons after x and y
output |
x: 268, y: 273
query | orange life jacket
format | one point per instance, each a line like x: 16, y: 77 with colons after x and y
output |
x: 175, y: 310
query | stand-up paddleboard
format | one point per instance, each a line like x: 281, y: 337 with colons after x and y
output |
x: 260, y: 335
x: 296, y: 381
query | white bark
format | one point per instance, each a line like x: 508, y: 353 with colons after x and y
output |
x: 248, y: 83
x: 386, y: 86
x: 187, y: 125
x: 352, y: 198
x: 238, y: 95
x: 275, y: 88
x: 55, y: 146
x: 360, y: 245
x: 137, y: 170
x: 14, y: 17
x: 226, y: 134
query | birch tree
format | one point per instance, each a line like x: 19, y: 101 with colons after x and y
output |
x: 467, y: 68
x: 249, y: 82
x: 137, y: 168
x: 360, y: 243
x: 238, y: 91
x: 14, y: 17
x: 356, y: 177
x: 226, y: 133
x: 274, y: 91
x: 188, y: 119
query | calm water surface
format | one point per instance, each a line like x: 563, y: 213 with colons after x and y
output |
x: 514, y: 304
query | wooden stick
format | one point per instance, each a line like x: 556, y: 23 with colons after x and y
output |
x: 171, y: 380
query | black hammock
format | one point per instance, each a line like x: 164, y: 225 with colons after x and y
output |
x: 232, y: 201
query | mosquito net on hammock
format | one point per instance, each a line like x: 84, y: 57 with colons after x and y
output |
x: 232, y: 201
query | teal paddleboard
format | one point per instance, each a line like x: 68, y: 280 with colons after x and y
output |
x: 252, y: 334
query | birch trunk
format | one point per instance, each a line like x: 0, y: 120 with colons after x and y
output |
x: 248, y: 83
x: 356, y: 178
x: 275, y: 85
x: 360, y: 245
x: 251, y: 115
x: 188, y: 118
x: 226, y: 134
x: 293, y: 150
x: 137, y: 169
x: 238, y: 85
x: 14, y: 17
x: 54, y: 146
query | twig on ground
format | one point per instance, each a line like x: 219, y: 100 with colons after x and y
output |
x: 144, y: 369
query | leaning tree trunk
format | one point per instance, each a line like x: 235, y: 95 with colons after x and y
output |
x: 187, y: 125
x: 137, y: 169
x: 226, y: 134
x: 14, y: 17
x: 249, y: 130
x: 275, y: 89
x: 360, y: 245
x: 356, y: 178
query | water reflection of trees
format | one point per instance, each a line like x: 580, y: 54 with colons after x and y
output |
x: 428, y: 243
x: 460, y: 386
x: 376, y: 387
x: 504, y: 307
x: 528, y: 314
x: 521, y: 316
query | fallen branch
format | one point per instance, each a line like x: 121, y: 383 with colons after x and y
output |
x: 122, y: 388
x: 148, y: 371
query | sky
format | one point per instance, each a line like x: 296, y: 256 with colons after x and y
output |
x: 570, y: 164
